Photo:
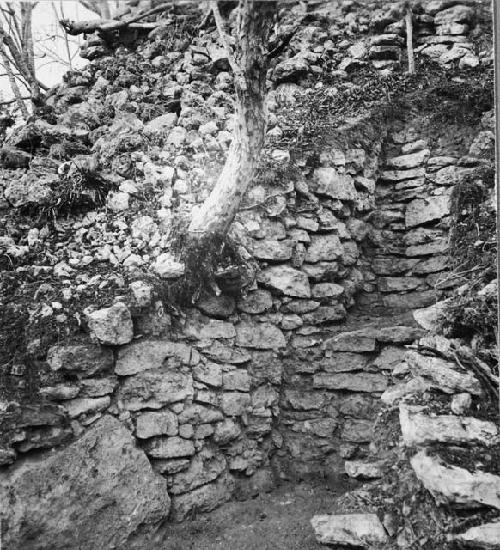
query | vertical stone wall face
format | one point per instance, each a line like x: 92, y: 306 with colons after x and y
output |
x: 281, y: 381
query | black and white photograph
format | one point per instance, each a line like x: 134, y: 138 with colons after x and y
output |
x: 248, y: 275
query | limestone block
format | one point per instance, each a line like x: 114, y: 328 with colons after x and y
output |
x: 150, y: 424
x: 418, y: 428
x: 357, y: 530
x: 93, y: 494
x: 454, y: 485
x: 443, y: 374
x: 112, y: 325
x: 286, y: 280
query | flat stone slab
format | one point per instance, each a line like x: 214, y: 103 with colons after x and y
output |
x: 454, y: 485
x: 360, y: 469
x: 399, y: 391
x: 418, y: 428
x: 351, y: 341
x: 356, y: 530
x: 485, y: 537
x: 358, y: 382
x: 444, y: 374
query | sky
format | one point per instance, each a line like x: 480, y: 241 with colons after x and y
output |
x: 45, y: 27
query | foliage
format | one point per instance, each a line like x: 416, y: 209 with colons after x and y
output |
x: 330, y: 112
x: 473, y: 250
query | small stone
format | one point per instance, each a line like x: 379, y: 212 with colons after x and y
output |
x: 161, y: 124
x: 76, y: 407
x: 219, y: 307
x: 210, y: 374
x: 150, y: 354
x: 117, y: 201
x: 350, y: 341
x: 255, y: 302
x: 285, y: 279
x: 329, y: 182
x: 226, y: 431
x: 236, y: 380
x: 168, y: 267
x: 98, y: 387
x: 358, y: 530
x: 150, y: 424
x: 360, y: 382
x: 454, y: 14
x: 461, y: 403
x: 324, y: 248
x: 112, y: 326
x: 422, y: 211
x: 406, y: 162
x: 276, y: 251
x: 80, y: 359
x: 169, y: 447
x: 327, y: 290
x: 142, y: 293
x: 235, y: 404
x: 259, y: 336
x: 359, y: 469
x: 443, y: 374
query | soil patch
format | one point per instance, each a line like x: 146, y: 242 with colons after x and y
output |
x: 276, y: 521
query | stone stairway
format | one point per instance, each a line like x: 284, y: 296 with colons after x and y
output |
x: 452, y: 451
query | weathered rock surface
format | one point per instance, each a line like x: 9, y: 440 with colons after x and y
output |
x: 203, y: 499
x: 150, y: 354
x: 454, y: 485
x: 112, y: 326
x: 152, y: 389
x: 359, y: 382
x: 443, y: 374
x: 286, y: 280
x: 259, y: 336
x: 360, y: 469
x: 93, y: 494
x: 420, y: 429
x: 421, y: 211
x: 80, y: 359
x: 484, y: 537
x: 357, y: 530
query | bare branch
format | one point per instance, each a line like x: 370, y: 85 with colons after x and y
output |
x: 98, y: 25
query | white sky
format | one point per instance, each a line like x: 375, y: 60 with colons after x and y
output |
x: 45, y: 24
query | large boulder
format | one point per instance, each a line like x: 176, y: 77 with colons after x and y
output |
x: 93, y: 494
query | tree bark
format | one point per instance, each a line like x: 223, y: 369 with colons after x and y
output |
x: 256, y: 18
x: 409, y: 38
x: 13, y: 84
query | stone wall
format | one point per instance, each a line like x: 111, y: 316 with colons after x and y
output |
x: 283, y: 381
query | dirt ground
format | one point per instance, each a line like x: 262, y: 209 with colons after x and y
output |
x: 274, y: 521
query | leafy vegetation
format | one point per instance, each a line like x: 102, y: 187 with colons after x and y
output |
x: 473, y: 250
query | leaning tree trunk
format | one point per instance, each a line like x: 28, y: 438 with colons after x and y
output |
x: 256, y: 18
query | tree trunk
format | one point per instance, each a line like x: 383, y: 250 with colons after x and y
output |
x: 13, y: 84
x: 250, y: 57
x: 409, y: 39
